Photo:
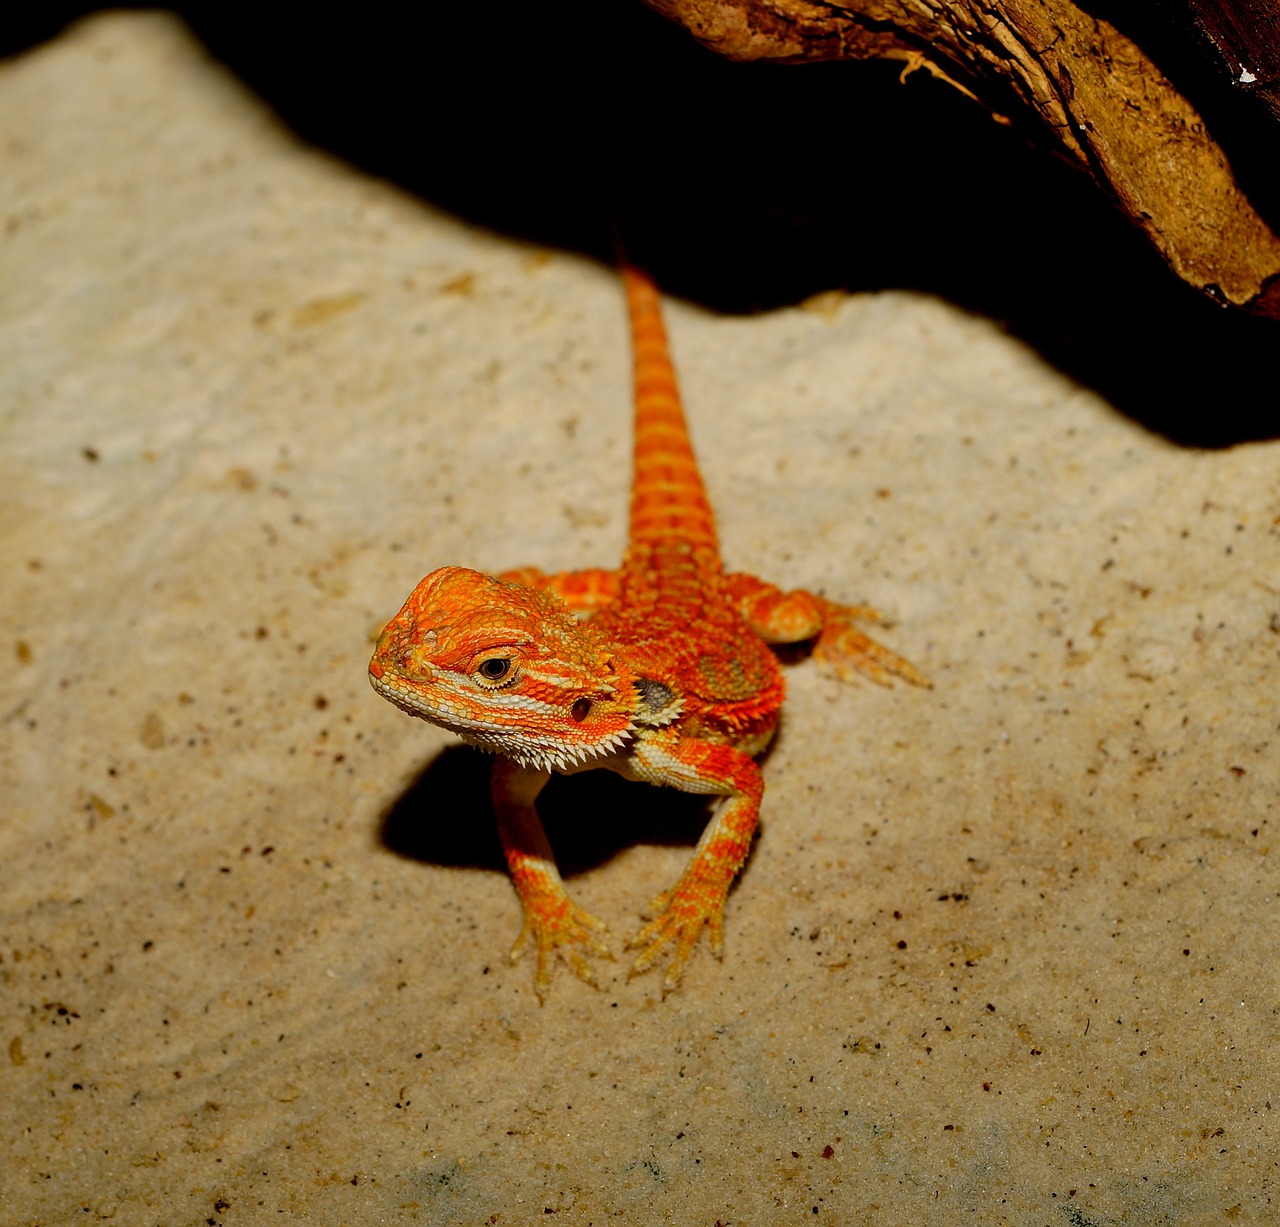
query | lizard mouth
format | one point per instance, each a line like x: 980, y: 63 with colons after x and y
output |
x: 396, y: 688
x: 546, y: 749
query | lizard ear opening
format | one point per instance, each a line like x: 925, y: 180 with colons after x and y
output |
x: 659, y: 703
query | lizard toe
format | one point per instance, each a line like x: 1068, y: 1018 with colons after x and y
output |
x: 571, y: 935
x: 682, y: 915
x: 845, y: 651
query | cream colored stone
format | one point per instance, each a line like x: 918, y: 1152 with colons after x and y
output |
x: 1004, y: 951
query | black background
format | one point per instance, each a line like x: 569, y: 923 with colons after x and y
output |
x: 748, y: 186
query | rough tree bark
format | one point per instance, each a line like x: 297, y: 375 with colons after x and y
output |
x: 1093, y: 90
x: 1245, y: 36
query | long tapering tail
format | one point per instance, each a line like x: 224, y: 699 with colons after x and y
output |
x: 668, y: 500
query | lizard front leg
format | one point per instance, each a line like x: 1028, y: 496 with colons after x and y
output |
x: 556, y: 925
x: 778, y: 616
x: 697, y: 900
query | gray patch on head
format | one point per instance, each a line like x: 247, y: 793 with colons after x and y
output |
x: 659, y: 703
x: 654, y: 696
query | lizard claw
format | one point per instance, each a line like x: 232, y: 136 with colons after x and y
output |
x: 566, y: 932
x: 846, y: 651
x: 680, y: 915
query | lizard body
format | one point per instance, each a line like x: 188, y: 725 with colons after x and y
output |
x: 660, y: 670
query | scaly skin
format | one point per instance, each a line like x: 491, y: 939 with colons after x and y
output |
x: 660, y: 671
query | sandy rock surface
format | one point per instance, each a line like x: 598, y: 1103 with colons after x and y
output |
x: 1005, y: 950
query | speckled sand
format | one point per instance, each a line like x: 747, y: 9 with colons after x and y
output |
x: 1004, y: 952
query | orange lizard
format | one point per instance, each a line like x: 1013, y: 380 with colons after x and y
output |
x: 659, y: 671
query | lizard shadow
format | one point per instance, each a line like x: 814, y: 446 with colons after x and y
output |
x: 444, y: 816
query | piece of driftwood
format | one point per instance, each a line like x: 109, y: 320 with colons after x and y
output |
x: 1100, y: 97
x: 1245, y: 35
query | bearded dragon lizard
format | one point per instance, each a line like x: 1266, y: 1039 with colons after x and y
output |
x: 660, y: 671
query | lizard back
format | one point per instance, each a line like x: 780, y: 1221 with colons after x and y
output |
x: 673, y: 603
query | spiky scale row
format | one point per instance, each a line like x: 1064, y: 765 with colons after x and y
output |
x: 670, y: 680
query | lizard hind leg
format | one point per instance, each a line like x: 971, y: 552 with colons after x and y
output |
x: 779, y: 616
x: 845, y: 650
x: 554, y: 925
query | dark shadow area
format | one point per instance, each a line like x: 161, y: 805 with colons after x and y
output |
x: 445, y: 818
x: 748, y: 186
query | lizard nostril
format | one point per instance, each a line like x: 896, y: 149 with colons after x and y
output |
x: 420, y: 669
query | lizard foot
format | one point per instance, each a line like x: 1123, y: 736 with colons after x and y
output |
x: 679, y: 916
x: 846, y: 651
x: 561, y: 929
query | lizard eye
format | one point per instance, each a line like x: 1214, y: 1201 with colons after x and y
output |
x: 581, y: 710
x: 496, y: 669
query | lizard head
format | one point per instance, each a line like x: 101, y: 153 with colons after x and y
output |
x: 507, y: 668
